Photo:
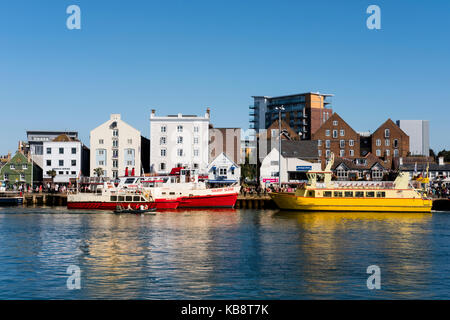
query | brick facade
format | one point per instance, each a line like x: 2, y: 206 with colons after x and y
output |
x: 336, y: 136
x: 389, y: 141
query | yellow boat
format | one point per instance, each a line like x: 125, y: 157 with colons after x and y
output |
x: 374, y: 196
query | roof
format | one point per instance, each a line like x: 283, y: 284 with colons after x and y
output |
x: 423, y: 167
x: 371, y: 160
x: 303, y: 149
x: 64, y: 138
x: 297, y: 94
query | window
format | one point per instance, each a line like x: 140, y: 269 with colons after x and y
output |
x: 49, y: 163
x: 377, y: 174
x: 395, y: 152
x: 320, y: 153
x: 60, y: 172
x: 395, y: 143
x: 162, y: 166
x: 348, y: 194
x: 163, y: 128
x: 115, y: 143
x: 327, y: 194
x: 342, y: 132
x: 327, y: 133
x: 319, y: 143
x: 195, y: 140
x: 370, y: 194
x: 180, y: 139
x: 359, y: 194
x: 387, y: 142
x: 101, y: 152
x: 163, y: 152
x: 115, y: 153
x: 61, y: 163
x: 352, y: 153
x: 101, y: 163
x: 74, y: 163
x: 130, y: 141
x: 351, y: 143
x: 223, y: 171
x: 49, y: 150
x: 24, y: 167
x: 378, y: 142
x: 128, y: 198
x: 327, y: 143
x: 335, y: 123
x: 6, y: 177
x: 387, y: 133
x: 196, y: 129
x: 338, y: 194
x: 195, y: 165
x: 342, y: 143
x: 179, y: 128
x: 12, y: 167
x: 335, y: 134
x: 130, y: 151
x: 115, y: 133
x: 327, y: 153
x: 196, y: 152
x: 341, y: 153
x: 115, y: 163
x: 101, y: 141
x: 162, y: 140
x: 22, y: 177
x: 114, y: 198
x: 378, y: 153
x: 130, y: 162
x: 73, y: 173
x: 388, y: 152
x: 61, y: 150
x: 381, y: 194
x: 180, y: 152
x: 121, y: 198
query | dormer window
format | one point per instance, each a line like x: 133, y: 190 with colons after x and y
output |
x: 387, y: 133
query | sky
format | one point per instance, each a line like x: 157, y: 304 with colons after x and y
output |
x: 182, y: 56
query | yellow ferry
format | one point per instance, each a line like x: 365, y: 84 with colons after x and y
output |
x: 378, y: 196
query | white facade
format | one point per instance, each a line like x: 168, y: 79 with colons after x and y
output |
x: 179, y: 140
x: 223, y: 170
x: 419, y: 135
x: 270, y: 168
x: 115, y: 146
x: 64, y: 157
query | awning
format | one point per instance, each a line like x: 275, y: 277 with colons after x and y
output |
x: 175, y: 171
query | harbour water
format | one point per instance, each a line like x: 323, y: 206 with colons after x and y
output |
x: 223, y: 254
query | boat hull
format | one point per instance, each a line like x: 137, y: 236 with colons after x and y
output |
x: 209, y: 201
x: 11, y: 201
x: 289, y: 201
x: 158, y: 204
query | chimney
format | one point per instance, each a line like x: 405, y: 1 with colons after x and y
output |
x: 208, y: 113
x: 441, y: 161
x: 152, y: 115
x: 115, y: 116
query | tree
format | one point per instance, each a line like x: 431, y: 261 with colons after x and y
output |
x: 52, y: 174
x: 248, y: 171
x: 446, y: 154
x: 98, y: 171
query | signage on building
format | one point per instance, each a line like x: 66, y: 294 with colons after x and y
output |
x: 303, y: 168
x: 270, y: 180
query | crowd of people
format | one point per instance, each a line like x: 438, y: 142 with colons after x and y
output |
x: 40, y: 188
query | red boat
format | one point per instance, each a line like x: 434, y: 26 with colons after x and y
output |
x: 209, y: 198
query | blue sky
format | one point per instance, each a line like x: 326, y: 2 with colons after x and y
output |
x: 182, y: 56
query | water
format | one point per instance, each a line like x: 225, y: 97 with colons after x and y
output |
x: 223, y: 254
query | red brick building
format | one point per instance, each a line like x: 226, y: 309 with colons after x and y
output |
x: 389, y: 141
x: 336, y: 136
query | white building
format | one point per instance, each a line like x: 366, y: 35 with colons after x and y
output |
x: 223, y: 170
x: 67, y: 156
x: 419, y: 135
x: 297, y: 158
x: 179, y: 141
x: 115, y: 146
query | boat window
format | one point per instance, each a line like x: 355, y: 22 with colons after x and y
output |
x: 163, y: 193
x: 171, y: 192
x: 310, y: 193
x: 381, y: 194
x: 129, y: 180
x: 348, y: 194
x: 338, y: 194
x: 113, y: 198
x: 142, y: 199
x: 136, y: 198
x: 327, y: 194
x: 359, y: 194
x: 370, y: 194
x: 129, y: 198
x: 121, y: 198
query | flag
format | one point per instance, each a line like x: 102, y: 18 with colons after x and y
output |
x: 415, y: 168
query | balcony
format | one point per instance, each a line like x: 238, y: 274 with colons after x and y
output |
x: 252, y: 107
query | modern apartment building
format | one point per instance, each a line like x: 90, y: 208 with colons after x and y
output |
x: 68, y: 157
x: 116, y: 146
x: 303, y: 112
x: 419, y: 136
x: 179, y: 141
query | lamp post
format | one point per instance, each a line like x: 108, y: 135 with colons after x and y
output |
x: 280, y: 108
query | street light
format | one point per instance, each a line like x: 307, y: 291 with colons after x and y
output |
x: 280, y: 108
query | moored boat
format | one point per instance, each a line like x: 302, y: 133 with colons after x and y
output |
x: 10, y: 198
x: 374, y: 196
